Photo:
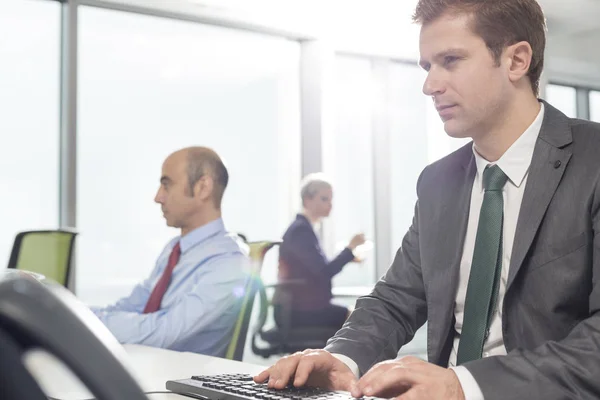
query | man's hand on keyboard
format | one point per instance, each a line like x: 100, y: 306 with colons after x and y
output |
x: 409, y: 378
x: 317, y: 368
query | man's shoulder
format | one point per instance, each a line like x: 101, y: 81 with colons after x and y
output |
x: 585, y: 142
x: 451, y: 165
x: 582, y: 127
x: 229, y: 243
x: 225, y: 249
x: 219, y: 245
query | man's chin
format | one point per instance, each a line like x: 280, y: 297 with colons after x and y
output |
x: 170, y: 224
x: 455, y: 129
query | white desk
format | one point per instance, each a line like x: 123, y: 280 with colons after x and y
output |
x: 337, y: 291
x: 351, y: 291
x: 151, y: 366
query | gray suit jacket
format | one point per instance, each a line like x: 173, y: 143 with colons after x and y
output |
x: 551, y: 310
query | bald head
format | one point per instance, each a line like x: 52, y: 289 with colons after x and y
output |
x: 191, y: 188
x: 201, y: 162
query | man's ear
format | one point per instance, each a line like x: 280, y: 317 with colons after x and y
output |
x: 204, y: 187
x: 519, y: 56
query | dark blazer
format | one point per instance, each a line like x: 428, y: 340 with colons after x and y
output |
x: 551, y: 309
x: 301, y: 257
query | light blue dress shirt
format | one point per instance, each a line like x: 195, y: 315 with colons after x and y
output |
x: 201, y: 304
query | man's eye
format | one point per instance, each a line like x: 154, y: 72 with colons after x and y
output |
x: 449, y: 60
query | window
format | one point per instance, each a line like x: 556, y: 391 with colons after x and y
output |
x: 417, y: 139
x: 595, y: 106
x: 29, y: 100
x: 369, y: 93
x: 348, y: 161
x: 149, y: 86
x: 563, y: 98
x: 409, y: 152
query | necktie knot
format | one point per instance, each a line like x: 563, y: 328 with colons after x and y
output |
x: 494, y: 178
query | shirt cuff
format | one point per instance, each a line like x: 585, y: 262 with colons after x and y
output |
x: 350, y: 363
x: 469, y: 385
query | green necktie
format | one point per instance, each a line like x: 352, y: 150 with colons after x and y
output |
x: 484, y: 278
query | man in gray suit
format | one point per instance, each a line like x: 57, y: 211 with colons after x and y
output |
x: 503, y: 255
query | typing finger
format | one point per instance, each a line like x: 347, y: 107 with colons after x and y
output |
x: 395, y: 381
x: 283, y: 370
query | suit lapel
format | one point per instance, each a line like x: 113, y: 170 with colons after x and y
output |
x: 550, y: 158
x: 455, y: 217
x: 451, y: 229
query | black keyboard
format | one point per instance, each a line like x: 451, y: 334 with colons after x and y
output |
x: 242, y: 387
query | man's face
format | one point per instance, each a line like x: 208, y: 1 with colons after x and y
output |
x: 469, y: 90
x: 174, y: 194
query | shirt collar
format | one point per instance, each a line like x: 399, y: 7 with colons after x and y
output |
x: 516, y: 160
x: 200, y: 234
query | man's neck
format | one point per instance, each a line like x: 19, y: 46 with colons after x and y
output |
x: 515, y: 121
x: 201, y: 220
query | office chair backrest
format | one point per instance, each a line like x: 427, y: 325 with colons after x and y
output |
x: 46, y: 252
x: 258, y: 250
x: 50, y: 318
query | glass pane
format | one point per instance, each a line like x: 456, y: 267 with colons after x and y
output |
x: 411, y: 149
x: 563, y: 98
x: 29, y: 100
x: 149, y: 86
x: 417, y: 139
x: 595, y: 106
x: 408, y: 145
x: 348, y: 162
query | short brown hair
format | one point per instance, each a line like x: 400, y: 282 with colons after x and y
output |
x: 204, y: 161
x: 499, y: 23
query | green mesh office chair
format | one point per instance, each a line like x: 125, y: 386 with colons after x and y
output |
x: 46, y: 252
x: 258, y: 251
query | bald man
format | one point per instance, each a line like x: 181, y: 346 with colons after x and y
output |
x: 191, y: 300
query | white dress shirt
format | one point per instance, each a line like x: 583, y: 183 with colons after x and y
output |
x: 515, y: 164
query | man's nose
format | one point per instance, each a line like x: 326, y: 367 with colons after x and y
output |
x: 159, y: 197
x: 433, y: 85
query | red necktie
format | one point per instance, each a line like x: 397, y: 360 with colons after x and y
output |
x: 155, y: 298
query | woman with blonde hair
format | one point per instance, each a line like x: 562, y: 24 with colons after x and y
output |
x: 301, y: 258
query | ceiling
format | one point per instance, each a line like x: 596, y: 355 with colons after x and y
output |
x: 376, y: 25
x: 572, y: 16
x: 573, y: 39
x: 573, y: 25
